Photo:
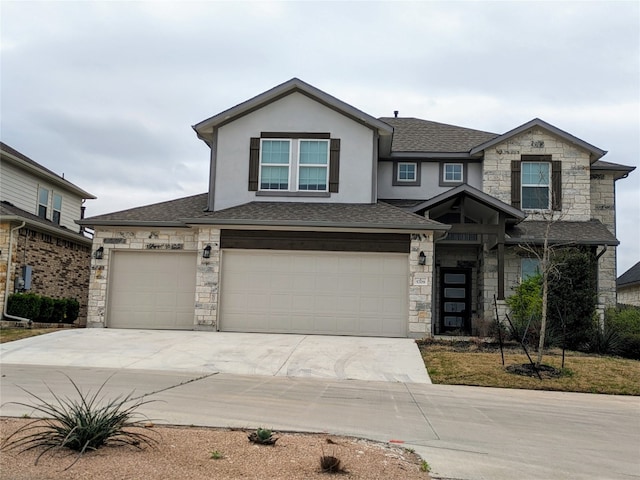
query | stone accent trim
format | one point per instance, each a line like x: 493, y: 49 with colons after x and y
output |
x: 421, y: 286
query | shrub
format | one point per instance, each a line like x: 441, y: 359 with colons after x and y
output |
x: 526, y: 310
x: 625, y: 322
x: 59, y: 310
x: 25, y: 305
x: 82, y: 424
x: 73, y: 309
x: 46, y: 309
x: 263, y: 436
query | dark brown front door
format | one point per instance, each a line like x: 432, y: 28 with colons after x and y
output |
x: 455, y: 305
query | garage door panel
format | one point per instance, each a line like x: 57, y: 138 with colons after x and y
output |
x: 152, y: 290
x: 314, y: 292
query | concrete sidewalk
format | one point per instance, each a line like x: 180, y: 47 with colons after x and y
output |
x: 465, y: 433
x: 315, y: 356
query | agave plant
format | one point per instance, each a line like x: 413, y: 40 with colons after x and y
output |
x: 81, y: 424
x: 263, y: 436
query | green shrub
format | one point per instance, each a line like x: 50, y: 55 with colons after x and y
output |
x: 59, y: 310
x: 624, y: 322
x: 25, y: 305
x: 46, y: 309
x: 526, y: 310
x: 73, y: 309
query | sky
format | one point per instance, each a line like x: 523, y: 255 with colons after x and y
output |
x: 106, y: 92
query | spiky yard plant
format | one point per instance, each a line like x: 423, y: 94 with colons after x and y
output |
x: 331, y: 464
x: 80, y: 424
x: 263, y: 436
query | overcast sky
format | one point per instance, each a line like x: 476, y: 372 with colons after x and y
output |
x: 106, y: 92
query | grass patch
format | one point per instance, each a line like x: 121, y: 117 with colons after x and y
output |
x: 468, y: 363
x: 13, y: 333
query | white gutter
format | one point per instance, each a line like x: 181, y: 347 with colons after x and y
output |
x: 6, y: 289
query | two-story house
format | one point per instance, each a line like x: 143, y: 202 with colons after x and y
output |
x: 322, y: 219
x: 42, y: 249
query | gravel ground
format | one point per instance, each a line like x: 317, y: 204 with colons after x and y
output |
x: 186, y: 453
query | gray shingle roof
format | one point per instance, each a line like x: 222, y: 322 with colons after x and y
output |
x: 416, y: 135
x: 191, y: 210
x: 571, y: 233
x: 8, y: 210
x: 630, y: 277
x: 162, y: 213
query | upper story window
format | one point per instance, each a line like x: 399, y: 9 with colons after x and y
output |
x: 313, y: 165
x: 536, y: 183
x: 305, y: 164
x: 43, y: 202
x: 453, y: 173
x: 275, y: 159
x: 57, y: 208
x: 406, y: 174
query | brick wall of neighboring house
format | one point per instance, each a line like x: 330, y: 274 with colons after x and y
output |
x: 4, y: 256
x: 629, y: 295
x: 60, y: 267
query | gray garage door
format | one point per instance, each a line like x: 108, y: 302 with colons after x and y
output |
x: 333, y: 293
x: 154, y: 290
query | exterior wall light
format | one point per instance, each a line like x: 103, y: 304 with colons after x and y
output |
x: 206, y: 253
x: 422, y: 259
x: 99, y: 253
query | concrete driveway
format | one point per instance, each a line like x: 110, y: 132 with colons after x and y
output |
x: 315, y: 356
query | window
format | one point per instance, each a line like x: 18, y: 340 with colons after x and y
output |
x: 274, y: 164
x: 406, y: 172
x: 294, y: 164
x: 452, y: 173
x: 313, y: 165
x: 535, y: 185
x: 43, y: 202
x: 57, y: 207
x: 529, y: 267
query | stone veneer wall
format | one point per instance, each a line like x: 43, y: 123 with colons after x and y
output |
x: 576, y: 203
x: 629, y: 295
x: 208, y: 280
x: 127, y: 239
x: 60, y: 266
x: 421, y: 282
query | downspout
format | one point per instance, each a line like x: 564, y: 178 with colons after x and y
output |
x: 6, y: 287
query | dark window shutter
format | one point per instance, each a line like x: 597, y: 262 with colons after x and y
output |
x: 556, y: 185
x: 254, y: 163
x: 334, y: 165
x: 516, y: 181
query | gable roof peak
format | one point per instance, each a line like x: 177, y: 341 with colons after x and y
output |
x: 205, y: 128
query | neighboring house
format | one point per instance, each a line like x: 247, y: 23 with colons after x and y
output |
x: 629, y: 286
x: 42, y: 249
x: 322, y: 219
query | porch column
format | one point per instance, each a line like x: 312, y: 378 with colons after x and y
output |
x: 420, y: 285
x: 207, y: 280
x: 500, y: 242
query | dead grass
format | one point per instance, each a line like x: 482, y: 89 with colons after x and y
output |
x: 11, y: 333
x: 469, y: 363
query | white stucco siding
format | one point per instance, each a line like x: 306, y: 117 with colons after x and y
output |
x: 294, y: 113
x: 576, y: 201
x: 429, y: 181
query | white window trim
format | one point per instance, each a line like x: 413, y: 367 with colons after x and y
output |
x: 536, y: 185
x: 288, y: 165
x: 313, y: 165
x: 415, y: 172
x: 444, y: 173
x: 40, y: 204
x: 294, y: 165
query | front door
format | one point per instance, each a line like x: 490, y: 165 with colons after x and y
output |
x: 455, y: 305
